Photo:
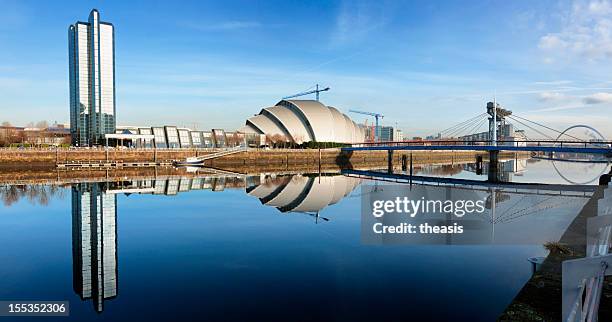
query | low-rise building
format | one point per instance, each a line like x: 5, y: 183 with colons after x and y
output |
x: 172, y: 137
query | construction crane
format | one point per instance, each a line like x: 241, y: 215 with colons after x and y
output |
x: 376, y: 116
x: 315, y: 91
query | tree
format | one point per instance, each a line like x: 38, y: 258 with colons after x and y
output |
x: 6, y: 123
x: 276, y: 138
x: 269, y: 140
x: 42, y: 125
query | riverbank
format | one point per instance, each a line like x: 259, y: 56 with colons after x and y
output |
x: 541, y: 297
x: 250, y: 159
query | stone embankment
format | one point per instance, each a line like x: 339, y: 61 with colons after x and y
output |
x: 253, y: 158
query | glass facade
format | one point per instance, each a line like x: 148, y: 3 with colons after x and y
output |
x: 147, y: 142
x: 160, y: 137
x: 172, y: 187
x: 208, y: 140
x: 91, y: 55
x: 219, y: 138
x: 196, y: 139
x: 184, y: 138
x: 172, y: 137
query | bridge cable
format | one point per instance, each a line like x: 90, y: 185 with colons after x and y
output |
x: 454, y: 127
x: 544, y: 134
x: 535, y: 204
x: 466, y: 126
x: 549, y: 128
x: 477, y: 126
x: 521, y: 129
x: 536, y: 210
x: 462, y: 123
x: 459, y: 131
x: 485, y: 122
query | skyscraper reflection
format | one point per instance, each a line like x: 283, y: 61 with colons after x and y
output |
x: 94, y: 243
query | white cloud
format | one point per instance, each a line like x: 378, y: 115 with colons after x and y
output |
x: 598, y: 98
x: 224, y: 26
x: 586, y: 31
x: 555, y: 82
x: 356, y: 19
x: 551, y: 41
x: 551, y: 96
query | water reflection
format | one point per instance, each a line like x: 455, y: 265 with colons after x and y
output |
x: 517, y: 210
x: 35, y: 194
x: 301, y: 193
x: 94, y: 243
x: 507, y: 169
x: 94, y: 216
x: 513, y: 214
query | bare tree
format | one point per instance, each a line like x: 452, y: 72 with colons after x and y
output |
x: 276, y: 138
x: 42, y: 124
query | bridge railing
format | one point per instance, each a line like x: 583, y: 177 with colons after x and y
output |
x: 458, y: 142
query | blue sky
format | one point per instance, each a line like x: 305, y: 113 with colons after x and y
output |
x: 425, y: 65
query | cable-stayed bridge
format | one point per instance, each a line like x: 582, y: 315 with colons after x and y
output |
x: 501, y: 136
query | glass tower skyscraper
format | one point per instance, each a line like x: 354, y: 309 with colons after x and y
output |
x: 91, y: 47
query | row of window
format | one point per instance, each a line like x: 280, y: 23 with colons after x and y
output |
x: 173, y: 137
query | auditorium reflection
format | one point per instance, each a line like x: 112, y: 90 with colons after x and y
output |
x: 307, y: 194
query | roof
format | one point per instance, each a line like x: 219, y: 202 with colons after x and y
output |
x: 128, y: 136
x: 304, y: 121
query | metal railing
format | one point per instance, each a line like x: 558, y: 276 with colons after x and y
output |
x: 486, y: 142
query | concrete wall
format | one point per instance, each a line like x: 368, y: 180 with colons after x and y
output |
x: 273, y: 159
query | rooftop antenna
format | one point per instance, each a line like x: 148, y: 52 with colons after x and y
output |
x: 494, y: 139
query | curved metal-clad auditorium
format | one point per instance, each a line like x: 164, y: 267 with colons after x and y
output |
x: 303, y: 121
x: 300, y: 193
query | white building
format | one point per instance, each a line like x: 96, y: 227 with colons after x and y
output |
x: 300, y: 121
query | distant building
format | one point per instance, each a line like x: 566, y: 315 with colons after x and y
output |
x: 505, y: 133
x: 385, y: 133
x: 398, y: 135
x: 91, y: 47
x: 11, y: 134
x: 54, y: 135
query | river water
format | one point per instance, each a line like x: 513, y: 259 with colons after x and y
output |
x: 265, y: 247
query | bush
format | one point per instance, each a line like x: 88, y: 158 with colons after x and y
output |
x: 322, y: 145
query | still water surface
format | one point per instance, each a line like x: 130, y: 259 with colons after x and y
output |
x: 269, y: 247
